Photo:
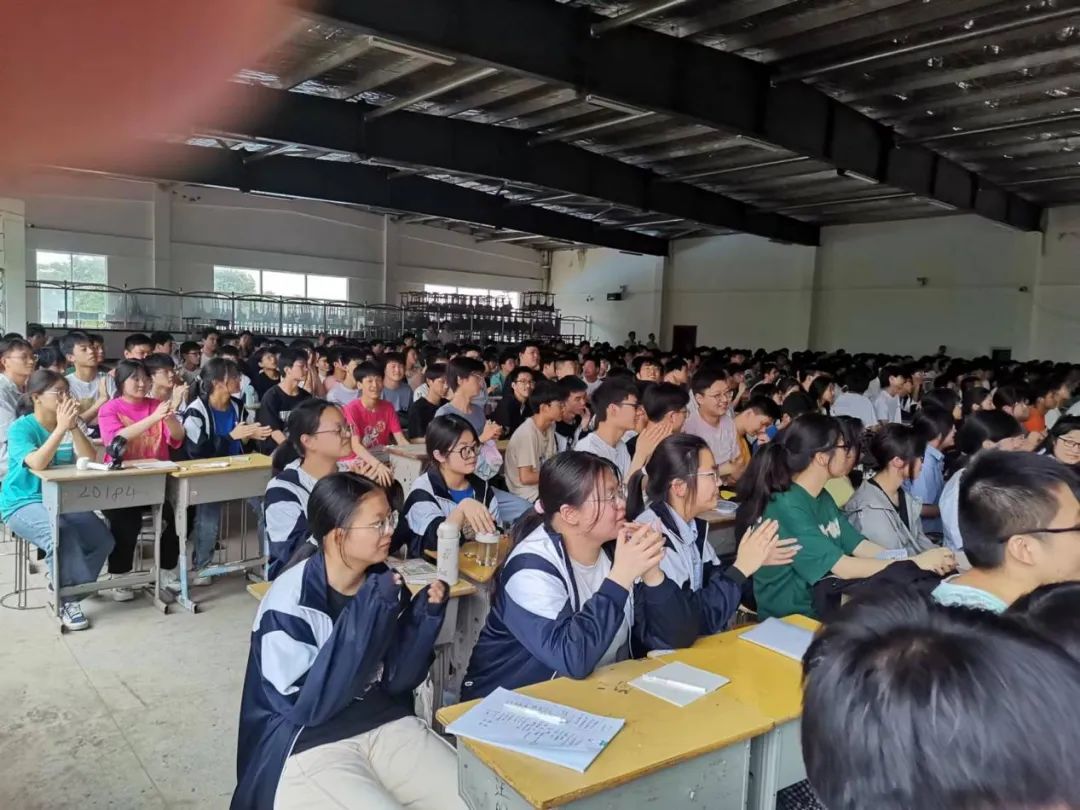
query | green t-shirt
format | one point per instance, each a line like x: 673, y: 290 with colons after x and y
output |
x: 825, y: 536
x: 22, y: 487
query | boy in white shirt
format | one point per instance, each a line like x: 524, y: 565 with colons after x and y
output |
x: 533, y: 442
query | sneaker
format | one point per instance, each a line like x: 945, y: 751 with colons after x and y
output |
x: 199, y: 579
x: 72, y: 617
x: 118, y: 594
x: 170, y: 580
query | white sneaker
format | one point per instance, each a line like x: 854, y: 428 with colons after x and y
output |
x: 198, y: 579
x: 170, y: 580
x: 119, y: 594
x: 72, y: 617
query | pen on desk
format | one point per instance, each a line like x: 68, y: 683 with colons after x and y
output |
x: 660, y: 681
x: 536, y: 714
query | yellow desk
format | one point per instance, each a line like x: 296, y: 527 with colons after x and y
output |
x: 467, y: 561
x: 67, y: 489
x: 664, y: 756
x: 215, y: 481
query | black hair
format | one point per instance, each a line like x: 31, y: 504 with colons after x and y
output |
x: 773, y: 468
x: 229, y: 350
x: 566, y: 479
x: 674, y: 364
x: 676, y: 457
x: 787, y: 385
x: 49, y: 356
x: 73, y: 339
x: 894, y: 680
x: 857, y: 379
x: 303, y: 421
x: 612, y: 392
x: 945, y: 398
x: 40, y: 381
x: 34, y: 329
x: 138, y: 339
x: 191, y: 346
x: 217, y: 369
x: 663, y: 398
x: 9, y: 345
x: 211, y: 331
x: 508, y: 356
x: 887, y: 372
x: 443, y: 433
x: 1052, y: 611
x: 571, y: 385
x: 818, y: 388
x: 896, y: 441
x: 645, y: 360
x: 333, y: 501
x: 289, y: 357
x: 392, y: 357
x: 982, y: 426
x: 797, y: 403
x: 367, y: 369
x: 971, y: 397
x: 1066, y: 424
x: 157, y: 338
x: 157, y: 361
x: 461, y: 368
x: 1003, y: 494
x: 706, y: 377
x: 126, y: 369
x: 1008, y: 396
x: 765, y: 406
x: 545, y: 393
x: 933, y: 422
x: 435, y: 371
x: 517, y: 371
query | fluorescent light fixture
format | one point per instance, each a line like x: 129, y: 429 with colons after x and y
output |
x: 409, y: 50
x: 854, y: 175
x: 617, y: 106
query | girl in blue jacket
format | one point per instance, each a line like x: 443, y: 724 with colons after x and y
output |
x: 680, y: 484
x: 336, y: 650
x: 571, y: 599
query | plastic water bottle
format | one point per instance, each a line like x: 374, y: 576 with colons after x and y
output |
x: 449, y: 539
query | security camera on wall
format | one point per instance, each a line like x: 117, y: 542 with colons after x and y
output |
x: 618, y: 295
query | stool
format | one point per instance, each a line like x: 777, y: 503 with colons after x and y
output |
x: 22, y: 574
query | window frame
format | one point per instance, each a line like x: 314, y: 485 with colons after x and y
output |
x: 260, y: 283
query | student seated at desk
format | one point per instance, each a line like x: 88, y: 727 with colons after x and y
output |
x: 534, y: 440
x: 618, y: 406
x: 1063, y: 442
x: 893, y: 683
x: 665, y: 404
x: 842, y: 487
x: 937, y: 426
x: 881, y: 509
x: 277, y: 402
x: 1052, y: 611
x: 514, y: 409
x: 1019, y: 516
x: 570, y: 598
x: 785, y: 482
x: 422, y: 411
x: 151, y: 429
x: 680, y: 484
x: 448, y: 490
x: 337, y: 647
x: 213, y: 427
x: 374, y: 420
x: 47, y: 434
x: 318, y: 439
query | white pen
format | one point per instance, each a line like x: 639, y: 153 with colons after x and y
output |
x: 661, y: 681
x: 536, y: 714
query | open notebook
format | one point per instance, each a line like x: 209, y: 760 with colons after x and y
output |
x: 780, y: 637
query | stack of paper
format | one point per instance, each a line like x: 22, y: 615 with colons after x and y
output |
x: 415, y: 572
x: 780, y: 637
x: 537, y: 728
x: 150, y: 464
x: 679, y: 683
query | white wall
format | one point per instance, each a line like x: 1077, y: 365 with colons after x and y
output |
x: 581, y: 280
x: 171, y: 237
x: 867, y: 297
x: 725, y: 284
x: 1055, y: 327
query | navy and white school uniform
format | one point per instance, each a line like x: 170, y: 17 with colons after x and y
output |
x: 285, y: 515
x: 429, y: 502
x: 552, y: 616
x: 324, y: 667
x: 691, y: 563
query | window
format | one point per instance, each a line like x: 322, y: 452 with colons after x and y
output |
x: 276, y: 282
x: 515, y: 297
x: 57, y: 307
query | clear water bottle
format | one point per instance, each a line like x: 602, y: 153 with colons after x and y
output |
x: 449, y: 540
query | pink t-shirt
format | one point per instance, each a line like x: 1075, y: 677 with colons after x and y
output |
x: 374, y: 428
x: 118, y: 413
x: 722, y: 439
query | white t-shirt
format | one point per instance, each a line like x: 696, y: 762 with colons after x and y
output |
x: 85, y: 392
x: 528, y: 447
x: 618, y: 454
x: 588, y: 579
x: 340, y: 395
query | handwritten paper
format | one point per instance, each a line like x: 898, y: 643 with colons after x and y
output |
x: 678, y: 683
x: 780, y: 637
x: 571, y: 738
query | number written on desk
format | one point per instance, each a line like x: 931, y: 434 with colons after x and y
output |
x: 107, y: 492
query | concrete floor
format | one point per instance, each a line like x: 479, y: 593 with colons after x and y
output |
x: 138, y: 712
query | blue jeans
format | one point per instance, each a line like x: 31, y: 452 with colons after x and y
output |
x: 85, y: 539
x: 205, y: 532
x: 511, y: 506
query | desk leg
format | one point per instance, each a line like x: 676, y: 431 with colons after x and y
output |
x: 50, y: 496
x: 180, y: 511
x: 159, y: 595
x: 775, y: 763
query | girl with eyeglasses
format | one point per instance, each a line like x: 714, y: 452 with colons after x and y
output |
x: 448, y: 490
x: 680, y: 485
x: 47, y: 434
x: 581, y: 587
x: 318, y: 438
x: 1063, y: 441
x: 785, y: 482
x: 337, y: 648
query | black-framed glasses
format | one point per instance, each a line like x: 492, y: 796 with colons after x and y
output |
x: 1070, y: 444
x: 1045, y: 530
x: 637, y: 406
x: 467, y: 451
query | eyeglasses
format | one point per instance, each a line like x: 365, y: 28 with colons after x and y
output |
x: 343, y: 430
x: 1068, y: 444
x: 1066, y: 530
x: 466, y: 451
x: 710, y: 474
x: 637, y: 406
x: 720, y: 396
x: 620, y: 494
x: 383, y: 527
x: 525, y: 383
x: 54, y: 392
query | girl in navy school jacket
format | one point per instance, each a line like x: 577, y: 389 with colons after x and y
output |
x: 680, y: 483
x: 336, y: 650
x: 448, y: 490
x: 569, y: 598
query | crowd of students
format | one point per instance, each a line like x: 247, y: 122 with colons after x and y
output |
x: 949, y: 485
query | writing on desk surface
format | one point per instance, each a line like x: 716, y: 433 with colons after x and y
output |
x: 107, y: 492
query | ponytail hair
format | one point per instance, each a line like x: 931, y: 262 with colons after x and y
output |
x: 677, y: 457
x: 217, y: 369
x: 567, y: 479
x: 773, y: 468
x: 896, y: 441
x: 40, y: 381
x: 303, y: 421
x: 979, y: 427
x: 330, y: 506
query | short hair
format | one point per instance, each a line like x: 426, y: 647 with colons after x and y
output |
x: 545, y: 393
x: 797, y: 403
x: 705, y: 378
x: 1009, y: 395
x: 392, y: 357
x: 367, y: 369
x: 211, y: 331
x: 612, y: 392
x: 289, y: 357
x: 34, y: 329
x: 435, y: 371
x: 674, y: 364
x: 645, y: 360
x: 191, y: 346
x: 72, y: 339
x: 1003, y: 494
x: 572, y: 385
x: 932, y: 422
x: 1053, y: 611
x: 157, y: 361
x: 157, y: 338
x: 664, y: 398
x: 904, y: 707
x: 460, y: 368
x: 9, y: 345
x: 765, y: 406
x: 517, y: 371
x: 138, y: 339
x: 508, y: 356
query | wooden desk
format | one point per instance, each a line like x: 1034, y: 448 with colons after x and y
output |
x: 67, y: 489
x: 694, y: 757
x: 407, y: 461
x: 203, y: 481
x: 468, y: 565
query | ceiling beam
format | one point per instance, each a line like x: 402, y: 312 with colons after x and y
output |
x: 356, y: 184
x: 487, y: 151
x: 652, y: 71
